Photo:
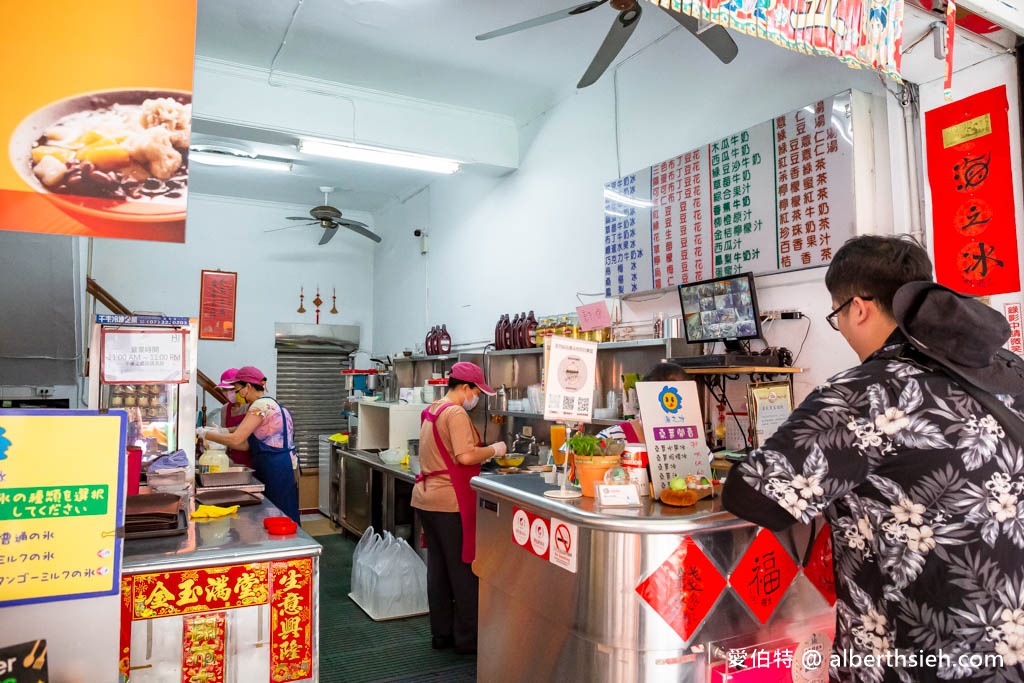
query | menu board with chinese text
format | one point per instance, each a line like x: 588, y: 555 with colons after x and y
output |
x: 775, y: 197
x: 58, y: 522
x: 673, y: 431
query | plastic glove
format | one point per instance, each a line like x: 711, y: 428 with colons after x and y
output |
x: 201, y: 433
x: 500, y: 448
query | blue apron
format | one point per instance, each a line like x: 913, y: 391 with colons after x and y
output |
x: 273, y: 466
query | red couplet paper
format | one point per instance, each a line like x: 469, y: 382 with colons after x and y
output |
x: 971, y: 183
x: 217, y: 305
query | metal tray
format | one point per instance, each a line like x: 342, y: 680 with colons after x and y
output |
x: 181, y: 528
x: 231, y: 476
x: 227, y: 497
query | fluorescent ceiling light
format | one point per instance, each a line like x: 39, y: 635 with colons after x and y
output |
x: 221, y: 159
x: 614, y: 196
x: 377, y: 155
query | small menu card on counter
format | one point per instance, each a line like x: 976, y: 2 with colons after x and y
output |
x: 673, y: 430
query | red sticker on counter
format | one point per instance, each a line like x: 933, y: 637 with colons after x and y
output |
x: 532, y: 532
x: 683, y: 589
x: 763, y: 575
x: 819, y: 566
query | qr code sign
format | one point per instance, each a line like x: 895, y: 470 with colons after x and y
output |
x: 568, y: 402
x: 583, y: 404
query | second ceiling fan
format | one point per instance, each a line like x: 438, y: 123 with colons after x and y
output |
x: 713, y: 36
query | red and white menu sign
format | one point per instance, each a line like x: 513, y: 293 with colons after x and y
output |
x: 775, y: 197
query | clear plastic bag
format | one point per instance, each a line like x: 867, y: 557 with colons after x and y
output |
x: 389, y: 579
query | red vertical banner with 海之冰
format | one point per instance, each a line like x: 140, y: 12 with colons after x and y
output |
x: 971, y: 181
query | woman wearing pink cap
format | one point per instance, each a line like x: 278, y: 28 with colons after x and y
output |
x: 450, y: 455
x: 267, y: 433
x: 232, y: 413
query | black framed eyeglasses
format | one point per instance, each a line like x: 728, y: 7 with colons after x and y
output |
x: 831, y: 317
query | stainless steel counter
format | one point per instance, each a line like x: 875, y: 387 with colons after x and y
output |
x: 630, y: 594
x: 373, y: 460
x: 210, y: 542
x: 210, y: 575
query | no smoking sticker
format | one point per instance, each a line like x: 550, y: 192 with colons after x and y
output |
x: 564, y: 543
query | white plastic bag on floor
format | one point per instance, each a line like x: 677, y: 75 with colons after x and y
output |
x: 388, y: 578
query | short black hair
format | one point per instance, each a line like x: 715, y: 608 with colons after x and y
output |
x: 665, y: 372
x: 257, y: 387
x: 876, y: 266
x: 455, y: 383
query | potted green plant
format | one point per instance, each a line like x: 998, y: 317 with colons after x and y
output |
x: 592, y: 457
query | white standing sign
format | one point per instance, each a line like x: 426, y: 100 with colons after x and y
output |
x: 569, y: 378
x: 673, y: 430
x: 144, y: 356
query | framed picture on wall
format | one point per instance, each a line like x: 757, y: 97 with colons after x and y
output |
x: 769, y: 404
x: 217, y: 295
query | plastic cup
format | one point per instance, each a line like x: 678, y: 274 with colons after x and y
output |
x: 557, y: 439
x: 133, y: 455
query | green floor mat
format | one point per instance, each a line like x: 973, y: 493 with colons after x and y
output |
x: 356, y: 649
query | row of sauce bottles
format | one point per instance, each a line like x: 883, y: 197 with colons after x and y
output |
x: 524, y: 331
x: 438, y: 341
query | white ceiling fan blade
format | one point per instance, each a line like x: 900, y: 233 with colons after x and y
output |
x: 328, y: 234
x: 622, y: 28
x: 715, y: 37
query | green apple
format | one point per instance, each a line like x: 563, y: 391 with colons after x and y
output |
x: 677, y: 484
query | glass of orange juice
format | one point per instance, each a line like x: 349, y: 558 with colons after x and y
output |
x: 557, y: 439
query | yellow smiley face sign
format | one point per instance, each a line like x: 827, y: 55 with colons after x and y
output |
x: 670, y: 400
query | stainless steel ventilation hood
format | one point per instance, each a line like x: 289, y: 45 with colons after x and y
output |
x: 306, y: 338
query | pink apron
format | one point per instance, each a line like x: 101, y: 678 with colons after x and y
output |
x: 460, y: 476
x: 243, y: 458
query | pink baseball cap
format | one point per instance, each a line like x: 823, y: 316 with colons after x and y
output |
x: 227, y: 378
x: 251, y: 375
x: 471, y: 372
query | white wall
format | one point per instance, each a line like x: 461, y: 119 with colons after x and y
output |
x: 532, y: 239
x: 229, y: 235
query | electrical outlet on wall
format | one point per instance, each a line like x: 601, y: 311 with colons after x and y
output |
x: 44, y: 392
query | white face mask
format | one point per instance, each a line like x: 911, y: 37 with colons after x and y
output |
x: 469, y: 405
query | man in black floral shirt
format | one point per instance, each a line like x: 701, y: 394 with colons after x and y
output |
x: 921, y: 484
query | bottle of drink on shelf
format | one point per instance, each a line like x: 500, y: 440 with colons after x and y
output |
x: 427, y: 346
x: 499, y: 338
x: 444, y: 340
x: 574, y: 320
x: 530, y: 332
x: 566, y: 330
x: 507, y: 333
x: 521, y: 331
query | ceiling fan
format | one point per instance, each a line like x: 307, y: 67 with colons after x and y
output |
x: 329, y: 218
x: 714, y: 36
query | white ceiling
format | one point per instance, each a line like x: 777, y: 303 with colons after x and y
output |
x: 424, y: 49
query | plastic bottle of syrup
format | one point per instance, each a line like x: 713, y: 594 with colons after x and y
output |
x: 521, y: 331
x: 432, y: 341
x: 512, y: 335
x: 530, y: 332
x: 444, y: 340
x: 499, y: 338
x: 427, y: 347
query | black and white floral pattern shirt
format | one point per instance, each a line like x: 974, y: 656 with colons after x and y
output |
x: 925, y: 496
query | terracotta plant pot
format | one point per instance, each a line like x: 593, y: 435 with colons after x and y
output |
x: 590, y: 470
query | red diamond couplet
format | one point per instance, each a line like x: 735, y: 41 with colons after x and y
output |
x: 683, y: 589
x: 819, y: 566
x: 763, y: 575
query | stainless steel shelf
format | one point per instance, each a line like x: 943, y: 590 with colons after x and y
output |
x: 532, y: 351
x: 540, y: 416
x: 410, y: 359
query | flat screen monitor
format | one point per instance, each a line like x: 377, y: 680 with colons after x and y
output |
x: 723, y: 309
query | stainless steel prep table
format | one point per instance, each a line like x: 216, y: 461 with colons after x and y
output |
x: 371, y: 492
x: 568, y: 591
x: 168, y: 581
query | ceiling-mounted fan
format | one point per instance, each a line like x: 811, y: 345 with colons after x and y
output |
x: 329, y: 218
x: 714, y: 36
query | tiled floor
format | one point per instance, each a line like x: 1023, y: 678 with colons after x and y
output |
x: 356, y: 649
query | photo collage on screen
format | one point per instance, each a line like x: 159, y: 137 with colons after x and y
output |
x: 718, y: 310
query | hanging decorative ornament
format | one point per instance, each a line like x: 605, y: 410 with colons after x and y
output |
x: 302, y: 309
x: 334, y: 301
x: 318, y: 301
